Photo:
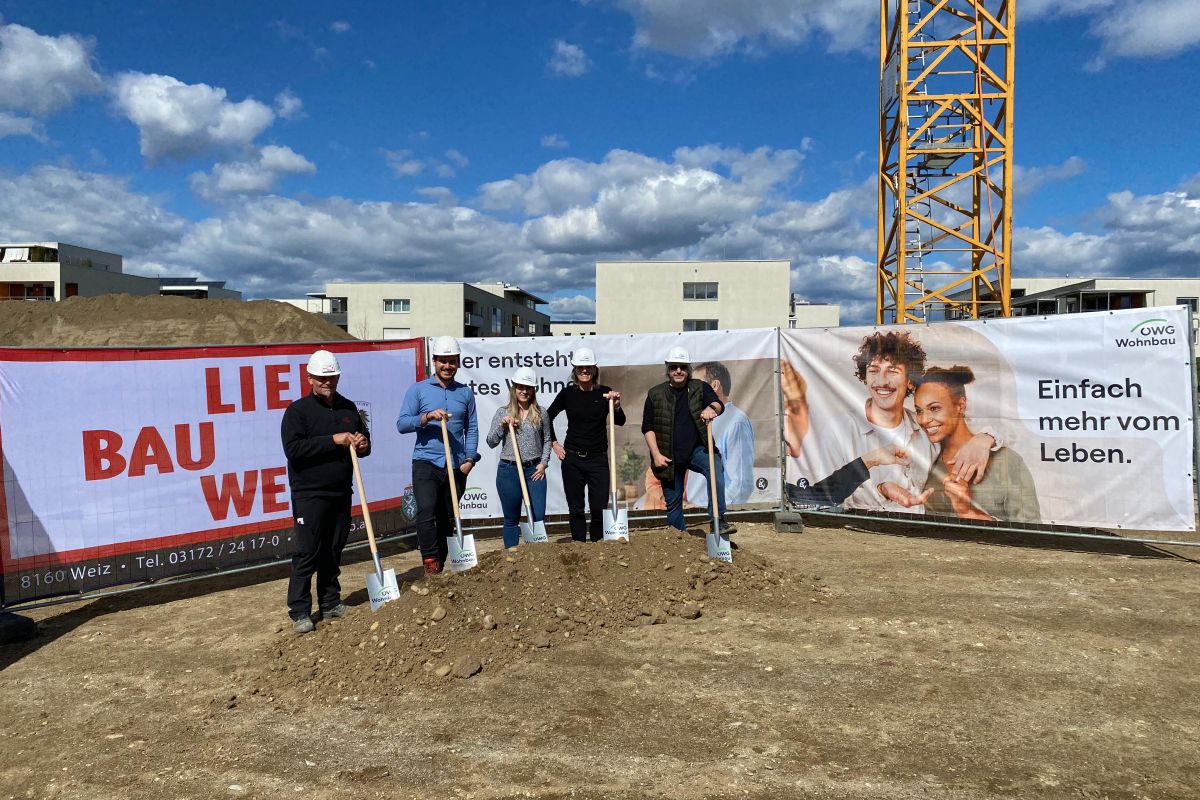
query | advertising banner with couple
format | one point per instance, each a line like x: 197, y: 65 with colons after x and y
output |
x: 1068, y: 420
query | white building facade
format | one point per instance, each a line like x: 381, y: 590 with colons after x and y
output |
x: 404, y: 310
x: 56, y: 270
x: 664, y: 296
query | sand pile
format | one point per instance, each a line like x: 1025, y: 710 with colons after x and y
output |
x: 114, y: 320
x: 515, y: 604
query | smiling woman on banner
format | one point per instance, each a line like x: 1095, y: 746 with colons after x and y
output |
x: 584, y: 452
x: 1006, y: 492
x: 532, y: 425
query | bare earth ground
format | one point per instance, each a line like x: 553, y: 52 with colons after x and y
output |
x: 896, y: 667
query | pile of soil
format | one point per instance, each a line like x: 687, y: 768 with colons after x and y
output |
x: 516, y: 603
x: 121, y: 320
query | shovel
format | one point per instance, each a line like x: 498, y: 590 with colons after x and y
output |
x: 616, y: 520
x: 461, y: 549
x: 718, y: 545
x: 381, y: 584
x: 533, y: 531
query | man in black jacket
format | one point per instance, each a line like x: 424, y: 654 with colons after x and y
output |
x: 675, y: 423
x: 318, y: 431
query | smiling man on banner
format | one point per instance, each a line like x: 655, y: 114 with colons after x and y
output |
x: 318, y: 432
x: 425, y: 405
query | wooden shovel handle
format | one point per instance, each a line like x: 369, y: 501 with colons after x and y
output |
x: 612, y: 454
x: 362, y: 499
x: 520, y: 470
x: 712, y: 478
x: 450, y: 468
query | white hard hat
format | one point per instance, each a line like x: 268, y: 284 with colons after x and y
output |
x: 678, y: 355
x: 525, y: 376
x: 446, y: 346
x: 583, y: 357
x: 322, y: 363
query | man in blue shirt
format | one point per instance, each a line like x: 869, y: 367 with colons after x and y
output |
x: 734, y: 437
x: 425, y: 405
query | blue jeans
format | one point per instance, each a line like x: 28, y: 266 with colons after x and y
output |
x: 673, y: 490
x: 508, y: 485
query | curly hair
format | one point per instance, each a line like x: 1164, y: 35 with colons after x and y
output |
x: 953, y: 378
x: 899, y: 348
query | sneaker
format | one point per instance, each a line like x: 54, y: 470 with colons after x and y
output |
x: 337, y: 612
x: 303, y: 625
x: 728, y: 529
x: 432, y: 567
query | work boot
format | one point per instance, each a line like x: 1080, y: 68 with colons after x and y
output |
x: 727, y: 529
x: 303, y: 625
x: 336, y: 612
x: 432, y: 567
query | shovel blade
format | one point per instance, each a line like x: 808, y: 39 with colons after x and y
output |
x: 461, y: 553
x: 616, y: 524
x: 718, y: 547
x: 534, y: 532
x: 380, y: 593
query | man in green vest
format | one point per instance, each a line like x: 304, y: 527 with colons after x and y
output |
x: 674, y: 422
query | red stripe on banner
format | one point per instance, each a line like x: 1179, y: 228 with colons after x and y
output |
x: 40, y: 354
x: 4, y: 555
x: 140, y: 545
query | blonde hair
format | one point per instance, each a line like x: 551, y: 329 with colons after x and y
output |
x: 514, y: 409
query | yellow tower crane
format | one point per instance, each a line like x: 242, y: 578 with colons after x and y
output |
x: 945, y: 160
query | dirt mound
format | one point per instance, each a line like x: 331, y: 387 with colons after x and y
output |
x: 515, y: 604
x: 121, y: 320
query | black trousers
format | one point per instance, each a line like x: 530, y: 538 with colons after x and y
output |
x: 587, y: 472
x: 322, y: 525
x: 435, y: 512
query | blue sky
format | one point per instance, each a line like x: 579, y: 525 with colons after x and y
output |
x: 278, y: 145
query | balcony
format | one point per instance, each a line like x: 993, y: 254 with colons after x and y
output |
x: 472, y: 320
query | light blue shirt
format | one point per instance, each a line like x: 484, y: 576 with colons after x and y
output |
x: 463, y: 425
x: 734, y: 437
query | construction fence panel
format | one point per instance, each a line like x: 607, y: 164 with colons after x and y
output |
x: 129, y: 465
x: 1093, y: 415
x: 747, y: 433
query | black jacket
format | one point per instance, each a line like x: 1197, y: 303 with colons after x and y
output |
x: 317, y: 466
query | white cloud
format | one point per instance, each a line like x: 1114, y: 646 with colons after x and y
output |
x: 458, y: 159
x: 339, y: 26
x: 441, y: 195
x: 179, y: 120
x: 1027, y: 180
x: 255, y: 176
x: 42, y: 74
x: 288, y: 106
x: 13, y: 125
x: 714, y: 28
x: 1154, y: 28
x: 56, y: 204
x: 554, y: 141
x: 570, y: 308
x: 402, y: 163
x: 568, y: 60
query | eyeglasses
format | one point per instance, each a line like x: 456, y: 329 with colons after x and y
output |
x: 323, y: 378
x: 677, y: 367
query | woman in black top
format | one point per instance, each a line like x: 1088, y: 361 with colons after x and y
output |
x: 584, y: 452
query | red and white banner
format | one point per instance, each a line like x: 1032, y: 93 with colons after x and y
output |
x: 123, y: 465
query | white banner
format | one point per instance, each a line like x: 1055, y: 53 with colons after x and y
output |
x: 1093, y: 413
x: 110, y: 454
x: 747, y: 434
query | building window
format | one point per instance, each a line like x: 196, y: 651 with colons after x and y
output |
x: 533, y: 329
x: 700, y: 291
x: 496, y: 317
x: 400, y: 306
x: 1191, y: 302
x: 700, y: 324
